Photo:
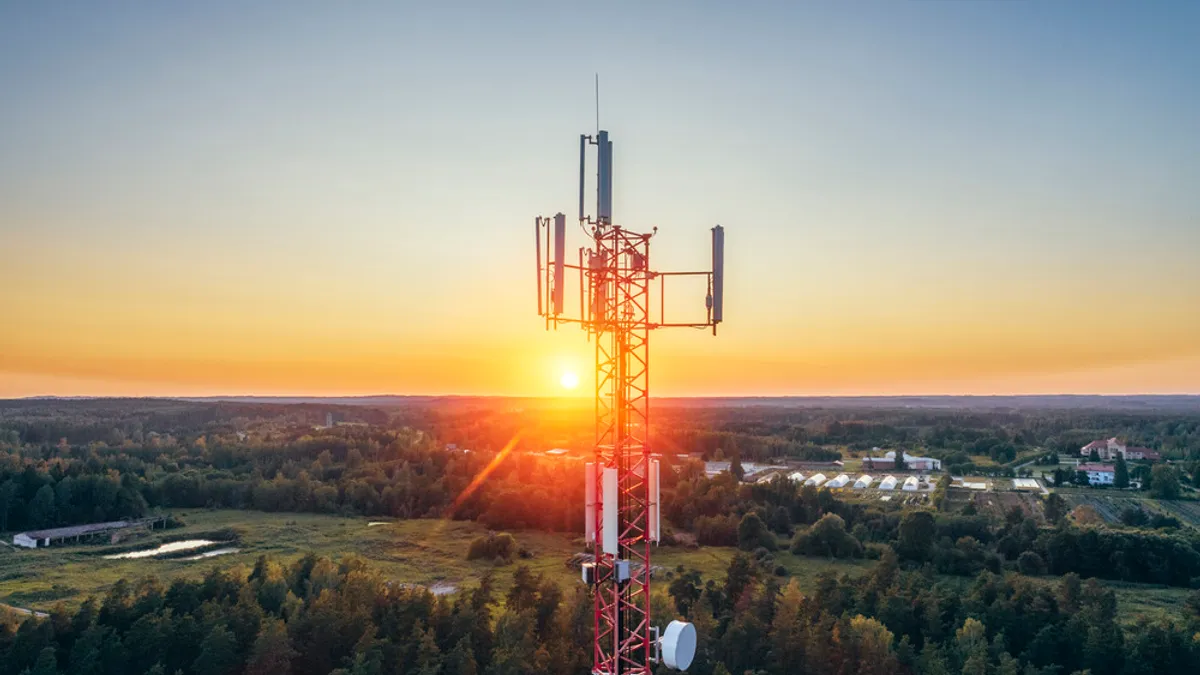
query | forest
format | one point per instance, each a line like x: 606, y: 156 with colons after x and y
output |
x: 950, y: 591
x: 317, y: 617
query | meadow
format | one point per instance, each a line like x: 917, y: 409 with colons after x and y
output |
x: 427, y: 552
x: 424, y: 551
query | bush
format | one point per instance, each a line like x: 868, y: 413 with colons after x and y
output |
x: 752, y: 533
x: 1134, y: 516
x: 780, y: 571
x: 1031, y: 563
x: 499, y: 547
x: 717, y: 530
x: 828, y: 537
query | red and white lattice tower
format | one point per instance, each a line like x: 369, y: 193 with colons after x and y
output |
x: 617, y: 292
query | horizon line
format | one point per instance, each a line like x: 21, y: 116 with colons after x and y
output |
x: 218, y: 397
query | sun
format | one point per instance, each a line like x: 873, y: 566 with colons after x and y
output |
x: 569, y: 380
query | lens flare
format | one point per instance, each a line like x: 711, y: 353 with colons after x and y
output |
x: 569, y: 380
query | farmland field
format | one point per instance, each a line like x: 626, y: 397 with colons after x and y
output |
x: 1110, y: 505
x: 996, y: 504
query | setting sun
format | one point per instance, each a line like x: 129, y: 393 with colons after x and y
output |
x: 569, y: 380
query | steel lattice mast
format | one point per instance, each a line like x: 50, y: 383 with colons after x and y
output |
x: 622, y: 512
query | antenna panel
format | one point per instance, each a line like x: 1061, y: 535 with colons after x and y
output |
x: 604, y: 180
x: 582, y: 169
x: 589, y: 491
x: 718, y: 273
x: 560, y: 252
x: 610, y: 529
x: 655, y: 507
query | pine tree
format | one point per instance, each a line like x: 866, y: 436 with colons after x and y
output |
x: 523, y: 594
x: 735, y: 467
x: 47, y: 663
x: 461, y: 659
x: 272, y: 653
x: 1121, y: 473
x: 429, y: 657
x: 218, y: 653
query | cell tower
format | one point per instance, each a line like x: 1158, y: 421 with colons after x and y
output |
x: 617, y: 308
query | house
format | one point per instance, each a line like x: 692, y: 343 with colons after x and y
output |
x: 1098, y: 474
x: 1146, y: 454
x: 1108, y: 450
x: 888, y: 461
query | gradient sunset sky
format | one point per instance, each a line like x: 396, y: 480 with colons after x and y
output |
x: 337, y: 198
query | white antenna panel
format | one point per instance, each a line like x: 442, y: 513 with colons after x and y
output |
x: 610, y: 529
x: 589, y: 509
x: 655, y: 508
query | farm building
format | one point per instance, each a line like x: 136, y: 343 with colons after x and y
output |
x: 796, y: 476
x: 816, y: 480
x: 749, y: 468
x: 1098, y: 474
x: 888, y: 483
x: 76, y: 533
x: 1146, y: 454
x: 863, y: 481
x: 838, y: 482
x: 911, y: 484
x: 1110, y: 449
x: 888, y: 461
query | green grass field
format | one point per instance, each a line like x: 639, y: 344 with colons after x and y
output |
x: 413, y: 551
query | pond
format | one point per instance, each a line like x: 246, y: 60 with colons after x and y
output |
x: 172, y: 547
x: 213, y: 553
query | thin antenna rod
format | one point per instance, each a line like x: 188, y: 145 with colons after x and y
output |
x: 597, y: 102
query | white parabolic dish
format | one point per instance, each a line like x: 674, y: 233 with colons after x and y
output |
x: 679, y: 645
